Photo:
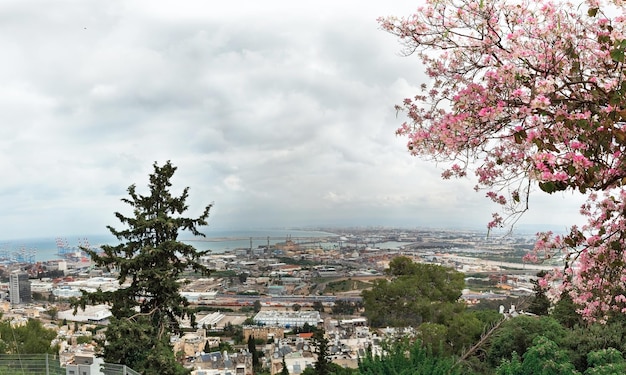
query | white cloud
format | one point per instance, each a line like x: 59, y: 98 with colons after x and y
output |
x: 281, y: 113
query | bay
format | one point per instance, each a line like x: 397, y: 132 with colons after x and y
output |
x: 39, y: 249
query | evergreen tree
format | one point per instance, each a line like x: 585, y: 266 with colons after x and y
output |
x: 606, y: 362
x: 31, y: 338
x: 415, y: 293
x: 543, y: 358
x: 322, y: 364
x: 402, y: 357
x: 257, y: 306
x: 318, y: 306
x: 255, y: 355
x: 540, y: 303
x: 151, y: 259
x: 565, y: 311
x: 284, y: 370
x: 517, y: 335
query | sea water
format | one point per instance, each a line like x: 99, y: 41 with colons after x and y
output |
x: 47, y: 248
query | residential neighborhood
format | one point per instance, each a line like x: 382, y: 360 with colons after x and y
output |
x: 275, y: 295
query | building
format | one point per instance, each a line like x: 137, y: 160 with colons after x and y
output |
x: 84, y: 365
x: 263, y: 332
x: 19, y: 288
x: 287, y: 319
x: 98, y: 314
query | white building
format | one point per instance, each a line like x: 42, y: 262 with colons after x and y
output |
x: 41, y: 286
x: 94, y: 314
x: 287, y: 318
x: 210, y: 320
x: 66, y: 292
x: 84, y: 365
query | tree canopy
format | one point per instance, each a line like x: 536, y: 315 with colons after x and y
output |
x: 149, y: 261
x: 31, y: 338
x: 403, y: 357
x: 529, y: 95
x: 415, y: 293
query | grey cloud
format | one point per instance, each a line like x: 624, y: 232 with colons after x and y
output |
x: 280, y: 118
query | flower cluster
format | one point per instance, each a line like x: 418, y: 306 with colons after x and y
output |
x: 529, y: 93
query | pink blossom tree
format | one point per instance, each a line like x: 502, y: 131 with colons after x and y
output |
x: 529, y: 95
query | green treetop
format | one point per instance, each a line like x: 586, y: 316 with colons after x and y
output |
x: 415, y: 293
x: 151, y: 259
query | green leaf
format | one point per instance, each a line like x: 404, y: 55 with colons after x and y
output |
x: 592, y: 12
x: 617, y: 55
x: 549, y: 187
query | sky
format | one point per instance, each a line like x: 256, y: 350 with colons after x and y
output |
x: 280, y: 113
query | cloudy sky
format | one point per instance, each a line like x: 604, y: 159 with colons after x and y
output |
x: 279, y: 112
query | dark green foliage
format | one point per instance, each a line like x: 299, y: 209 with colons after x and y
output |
x: 416, y: 293
x: 464, y: 330
x: 31, y: 338
x: 151, y: 258
x: 565, y: 311
x: 211, y: 308
x: 84, y: 339
x: 322, y: 364
x: 544, y: 357
x: 306, y: 328
x: 582, y: 340
x: 256, y: 365
x: 517, y: 335
x: 606, y: 362
x: 229, y: 329
x: 136, y: 341
x: 318, y: 306
x: 249, y: 321
x: 344, y: 307
x: 494, y: 304
x: 540, y: 303
x: 434, y: 335
x: 487, y: 317
x: 52, y: 312
x: 511, y: 366
x: 403, y: 358
x: 335, y: 369
x: 237, y: 335
x: 225, y: 346
x: 284, y: 370
x: 460, y: 333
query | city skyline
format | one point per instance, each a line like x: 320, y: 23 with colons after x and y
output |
x: 281, y: 114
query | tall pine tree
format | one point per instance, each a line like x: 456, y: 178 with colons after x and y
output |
x: 256, y: 365
x: 540, y: 303
x: 322, y: 364
x: 284, y: 370
x: 149, y: 261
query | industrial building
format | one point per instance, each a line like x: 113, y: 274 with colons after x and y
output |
x: 288, y: 319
